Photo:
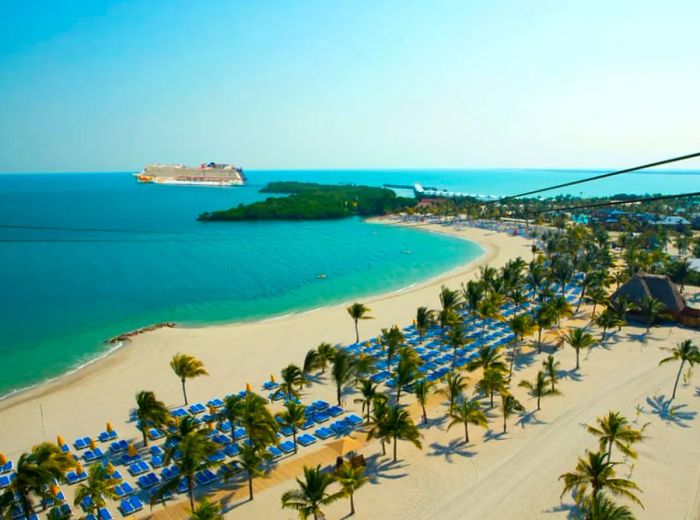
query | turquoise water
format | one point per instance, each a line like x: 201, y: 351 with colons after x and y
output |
x: 84, y: 257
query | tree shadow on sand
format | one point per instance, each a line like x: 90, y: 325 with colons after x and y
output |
x: 377, y: 469
x: 573, y: 375
x: 572, y: 511
x: 454, y: 448
x: 493, y: 435
x: 437, y: 421
x: 527, y: 418
x: 669, y: 412
x: 523, y: 361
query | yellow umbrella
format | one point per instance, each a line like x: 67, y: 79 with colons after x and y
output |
x: 93, y: 446
x: 247, y: 388
x: 78, y: 468
x: 272, y: 378
x: 344, y: 445
x: 55, y: 490
x: 210, y: 425
x: 132, y: 451
x: 109, y: 427
x: 110, y: 468
x: 3, y: 459
x: 414, y: 323
x: 60, y: 441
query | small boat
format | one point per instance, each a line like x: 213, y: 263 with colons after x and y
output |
x: 406, y: 252
x: 321, y: 276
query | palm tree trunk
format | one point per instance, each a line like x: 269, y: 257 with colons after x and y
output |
x: 678, y: 376
x: 577, y: 363
x: 578, y: 305
x: 294, y: 437
x: 352, y: 503
x: 505, y: 426
x: 395, y: 446
x: 357, y: 332
x: 184, y: 392
x: 466, y: 432
x: 539, y: 340
x: 250, y: 486
x: 143, y: 432
x: 492, y: 398
x: 610, y: 446
x: 425, y: 415
x: 538, y: 402
x: 337, y: 390
x: 190, y: 491
x: 383, y: 447
x: 398, y: 394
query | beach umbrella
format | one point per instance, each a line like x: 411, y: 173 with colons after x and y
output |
x: 210, y: 425
x: 110, y: 468
x: 60, y: 441
x: 109, y: 427
x: 248, y: 388
x: 93, y: 446
x: 344, y: 445
x: 78, y: 468
x: 55, y: 490
x: 212, y: 410
x: 3, y: 459
x: 132, y: 451
x: 272, y: 378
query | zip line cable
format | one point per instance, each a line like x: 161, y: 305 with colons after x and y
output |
x: 597, y: 177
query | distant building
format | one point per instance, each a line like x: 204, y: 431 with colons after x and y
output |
x: 673, y: 220
x: 664, y: 290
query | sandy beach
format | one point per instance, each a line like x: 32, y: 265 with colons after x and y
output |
x: 511, y: 476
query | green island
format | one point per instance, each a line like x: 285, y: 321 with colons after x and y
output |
x: 311, y: 201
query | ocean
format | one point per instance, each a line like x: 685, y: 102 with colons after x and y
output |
x: 87, y: 256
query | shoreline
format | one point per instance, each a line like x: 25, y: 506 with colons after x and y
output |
x: 115, y: 349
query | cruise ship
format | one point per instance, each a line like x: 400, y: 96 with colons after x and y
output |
x: 206, y: 174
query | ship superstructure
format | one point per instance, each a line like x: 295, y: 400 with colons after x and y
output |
x: 206, y: 174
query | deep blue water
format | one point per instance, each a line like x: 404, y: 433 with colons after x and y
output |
x: 84, y: 257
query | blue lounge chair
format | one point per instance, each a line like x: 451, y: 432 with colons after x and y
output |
x: 275, y: 452
x: 119, y: 446
x: 321, y: 417
x: 139, y: 468
x: 6, y: 480
x: 93, y: 455
x: 7, y: 467
x: 170, y: 472
x: 124, y: 490
x: 179, y: 413
x: 155, y: 434
x: 305, y: 439
x: 82, y: 443
x: 215, y: 403
x: 73, y: 478
x: 335, y: 411
x: 270, y: 385
x: 107, y: 436
x: 239, y: 433
x: 221, y: 439
x: 287, y: 446
x: 204, y: 477
x: 224, y: 426
x: 130, y: 505
x: 286, y: 431
x: 102, y: 514
x: 308, y: 423
x: 218, y: 456
x: 354, y: 420
x: 157, y: 461
x: 147, y: 481
x: 232, y: 450
x: 324, y: 433
x: 197, y: 408
x: 320, y: 405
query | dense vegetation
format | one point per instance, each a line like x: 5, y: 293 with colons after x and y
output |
x: 310, y: 201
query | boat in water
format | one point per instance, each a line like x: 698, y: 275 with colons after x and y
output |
x: 206, y: 174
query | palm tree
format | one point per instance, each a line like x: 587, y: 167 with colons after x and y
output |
x: 97, y: 489
x: 551, y: 368
x: 488, y: 308
x: 250, y: 460
x: 325, y: 352
x: 193, y: 453
x: 615, y: 430
x: 544, y: 317
x: 391, y: 339
x: 594, y: 472
x: 357, y: 312
x: 369, y: 392
x: 405, y: 371
x: 602, y: 508
x: 343, y: 372
x: 252, y: 412
x: 310, y: 363
x: 473, y: 293
x: 467, y: 411
x: 596, y: 296
x: 454, y: 387
x: 620, y: 306
x: 312, y: 494
x: 422, y: 389
x: 449, y: 299
x: 424, y: 319
x: 398, y: 426
x: 520, y: 325
x: 685, y: 352
x: 206, y: 510
x: 35, y: 472
x: 607, y: 320
x: 509, y: 406
x: 380, y: 408
x: 561, y: 308
x: 492, y: 381
x: 351, y: 479
x: 456, y: 339
x: 292, y: 381
x: 651, y: 308
x: 488, y: 358
x: 539, y: 388
x: 578, y: 339
x: 293, y: 416
x: 150, y: 410
x: 187, y: 367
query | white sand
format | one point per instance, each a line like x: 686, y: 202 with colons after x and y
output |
x: 512, y: 476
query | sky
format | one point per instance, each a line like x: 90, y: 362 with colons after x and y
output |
x: 90, y: 85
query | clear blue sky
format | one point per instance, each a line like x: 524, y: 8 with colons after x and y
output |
x: 90, y: 85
